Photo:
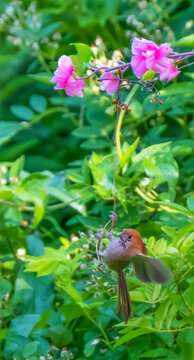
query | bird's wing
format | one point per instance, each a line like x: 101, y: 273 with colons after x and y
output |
x: 149, y: 269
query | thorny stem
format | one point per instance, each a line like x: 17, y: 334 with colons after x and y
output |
x: 122, y: 67
x: 186, y: 65
x: 180, y: 56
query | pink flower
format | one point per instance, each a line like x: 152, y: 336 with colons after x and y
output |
x: 147, y: 55
x: 63, y: 76
x: 169, y: 73
x: 110, y: 84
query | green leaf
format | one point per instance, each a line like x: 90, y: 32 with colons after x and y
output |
x: 84, y: 55
x: 185, y: 88
x: 71, y: 311
x: 126, y: 156
x: 160, y: 247
x: 84, y: 52
x: 150, y: 151
x: 160, y: 353
x: 22, y: 112
x: 60, y: 335
x: 150, y: 74
x: 31, y: 349
x: 161, y: 313
x: 43, y: 321
x: 185, y: 41
x: 50, y: 28
x: 43, y: 266
x: 138, y: 296
x: 38, y: 103
x: 188, y: 296
x: 132, y: 334
x: 8, y: 130
x: 151, y: 243
x: 185, y: 341
x: 94, y: 144
x: 43, y: 77
x: 190, y: 203
x: 189, y: 74
x: 89, y: 347
x: 171, y: 314
x: 169, y: 231
x: 137, y: 322
x: 66, y: 197
x: 23, y: 324
x: 5, y: 287
x: 17, y: 166
x: 84, y: 132
x: 13, y: 216
x: 152, y: 291
x: 73, y: 293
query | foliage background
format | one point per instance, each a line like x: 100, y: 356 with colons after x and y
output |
x: 57, y: 179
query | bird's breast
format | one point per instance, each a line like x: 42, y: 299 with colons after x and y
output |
x: 117, y: 258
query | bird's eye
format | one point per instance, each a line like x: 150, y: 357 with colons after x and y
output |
x: 129, y: 236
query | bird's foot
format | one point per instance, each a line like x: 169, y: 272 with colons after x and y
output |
x: 113, y: 216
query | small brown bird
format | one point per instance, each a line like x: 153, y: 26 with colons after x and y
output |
x: 129, y: 248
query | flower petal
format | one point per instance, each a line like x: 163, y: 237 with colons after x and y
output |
x: 70, y: 87
x: 138, y: 65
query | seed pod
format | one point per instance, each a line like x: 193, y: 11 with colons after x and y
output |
x: 128, y: 108
x: 115, y: 101
x: 98, y: 236
x: 160, y: 102
x: 103, y: 271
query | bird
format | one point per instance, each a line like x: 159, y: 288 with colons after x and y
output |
x: 128, y: 248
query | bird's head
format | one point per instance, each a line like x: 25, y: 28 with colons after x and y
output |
x: 132, y: 241
x: 128, y: 235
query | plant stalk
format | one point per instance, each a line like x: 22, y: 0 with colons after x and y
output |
x: 120, y: 120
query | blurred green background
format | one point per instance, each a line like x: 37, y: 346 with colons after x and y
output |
x: 56, y: 185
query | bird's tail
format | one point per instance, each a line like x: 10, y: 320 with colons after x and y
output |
x: 124, y: 301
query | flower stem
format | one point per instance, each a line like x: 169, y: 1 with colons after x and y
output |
x: 120, y: 119
x: 42, y: 61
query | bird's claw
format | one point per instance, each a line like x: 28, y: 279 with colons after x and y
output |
x: 113, y: 216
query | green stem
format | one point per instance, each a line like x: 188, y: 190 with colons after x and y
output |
x: 99, y: 326
x: 183, y: 300
x: 120, y: 119
x: 20, y: 207
x: 42, y: 61
x: 48, y: 112
x: 12, y: 249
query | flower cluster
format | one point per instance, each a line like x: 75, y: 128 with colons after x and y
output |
x: 146, y: 55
